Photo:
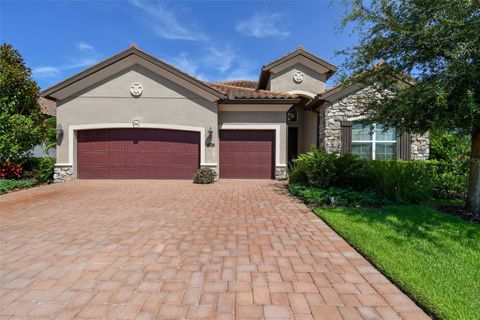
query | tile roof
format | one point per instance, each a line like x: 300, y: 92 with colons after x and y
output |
x: 237, y: 92
x: 47, y: 106
x: 240, y: 83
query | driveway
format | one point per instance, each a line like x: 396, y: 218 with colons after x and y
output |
x: 171, y: 249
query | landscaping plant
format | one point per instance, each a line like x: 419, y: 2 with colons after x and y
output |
x: 205, y: 176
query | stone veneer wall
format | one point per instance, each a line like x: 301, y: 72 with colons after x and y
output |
x: 281, y: 173
x: 63, y: 173
x: 347, y: 108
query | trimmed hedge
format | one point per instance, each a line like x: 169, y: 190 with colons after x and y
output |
x: 396, y: 180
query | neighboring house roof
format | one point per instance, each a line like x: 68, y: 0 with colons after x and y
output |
x: 299, y: 52
x: 47, y: 106
x: 236, y: 92
x: 240, y: 83
x: 132, y: 50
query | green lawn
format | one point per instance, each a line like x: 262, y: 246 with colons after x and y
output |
x: 434, y: 257
x: 7, y: 185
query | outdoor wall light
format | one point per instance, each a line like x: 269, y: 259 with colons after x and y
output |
x: 59, y: 130
x: 210, y: 131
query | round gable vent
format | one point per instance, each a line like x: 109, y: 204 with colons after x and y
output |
x: 298, y: 76
x: 136, y: 90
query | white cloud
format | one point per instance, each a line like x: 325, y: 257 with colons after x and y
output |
x: 263, y: 25
x: 83, y: 46
x: 216, y: 63
x: 166, y: 24
x: 185, y: 63
x: 220, y: 59
x: 88, y: 57
x: 46, y: 72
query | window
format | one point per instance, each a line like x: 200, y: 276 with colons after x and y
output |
x: 374, y: 142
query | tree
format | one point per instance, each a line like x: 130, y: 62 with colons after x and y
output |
x: 434, y: 46
x: 21, y: 120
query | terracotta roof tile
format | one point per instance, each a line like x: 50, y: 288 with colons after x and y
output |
x: 48, y: 107
x: 248, y: 93
x: 240, y: 83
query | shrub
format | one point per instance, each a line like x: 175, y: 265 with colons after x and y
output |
x: 317, y: 167
x: 204, y: 176
x: 41, y: 169
x: 7, y: 185
x: 344, y: 197
x: 450, y: 179
x: 352, y: 172
x: 10, y: 170
x: 403, y: 181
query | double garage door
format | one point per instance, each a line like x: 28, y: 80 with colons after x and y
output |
x: 171, y: 154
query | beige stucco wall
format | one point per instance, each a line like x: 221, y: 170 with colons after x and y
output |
x: 313, y: 82
x: 260, y: 118
x: 162, y: 102
x: 308, y: 130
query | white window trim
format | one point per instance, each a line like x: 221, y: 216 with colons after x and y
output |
x: 73, y: 128
x: 260, y: 127
x: 374, y: 141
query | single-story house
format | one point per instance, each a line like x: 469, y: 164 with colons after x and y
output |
x: 135, y: 116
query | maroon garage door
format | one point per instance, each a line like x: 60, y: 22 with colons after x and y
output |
x: 137, y: 154
x: 247, y: 154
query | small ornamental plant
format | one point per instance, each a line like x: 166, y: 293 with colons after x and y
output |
x: 205, y: 176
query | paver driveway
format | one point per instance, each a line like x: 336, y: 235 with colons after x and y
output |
x: 171, y: 249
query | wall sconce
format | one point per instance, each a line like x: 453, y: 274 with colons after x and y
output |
x: 210, y: 138
x: 59, y: 130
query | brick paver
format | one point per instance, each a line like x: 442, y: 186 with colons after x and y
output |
x: 236, y: 249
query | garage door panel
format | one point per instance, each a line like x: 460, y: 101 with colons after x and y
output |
x: 137, y: 153
x: 247, y: 154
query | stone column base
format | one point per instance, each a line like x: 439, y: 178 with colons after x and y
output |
x: 281, y: 173
x: 63, y: 173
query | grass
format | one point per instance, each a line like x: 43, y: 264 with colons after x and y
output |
x: 7, y: 185
x: 432, y: 256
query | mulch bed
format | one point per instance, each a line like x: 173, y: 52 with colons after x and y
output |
x: 460, y: 212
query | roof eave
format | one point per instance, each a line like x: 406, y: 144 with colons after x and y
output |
x: 122, y: 55
x: 260, y: 101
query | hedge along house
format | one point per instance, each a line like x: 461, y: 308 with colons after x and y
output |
x: 135, y: 116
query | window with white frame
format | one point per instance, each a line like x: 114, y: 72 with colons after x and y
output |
x: 374, y: 141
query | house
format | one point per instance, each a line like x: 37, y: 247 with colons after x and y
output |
x: 135, y: 116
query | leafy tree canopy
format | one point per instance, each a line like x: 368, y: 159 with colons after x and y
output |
x: 437, y: 42
x: 20, y: 115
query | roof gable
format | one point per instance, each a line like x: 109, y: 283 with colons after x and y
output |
x: 125, y: 59
x: 300, y: 56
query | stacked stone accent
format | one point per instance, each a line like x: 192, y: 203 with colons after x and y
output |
x: 281, y: 173
x: 420, y: 147
x: 62, y: 173
x: 348, y: 108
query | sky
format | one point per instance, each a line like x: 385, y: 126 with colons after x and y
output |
x: 212, y: 40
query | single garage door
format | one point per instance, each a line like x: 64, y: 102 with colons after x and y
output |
x: 137, y: 154
x: 247, y: 154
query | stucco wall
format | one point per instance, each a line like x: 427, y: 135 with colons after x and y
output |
x: 309, y: 130
x: 346, y: 109
x: 283, y: 81
x: 260, y: 118
x: 162, y: 102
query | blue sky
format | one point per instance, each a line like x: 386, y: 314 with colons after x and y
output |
x: 213, y: 40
